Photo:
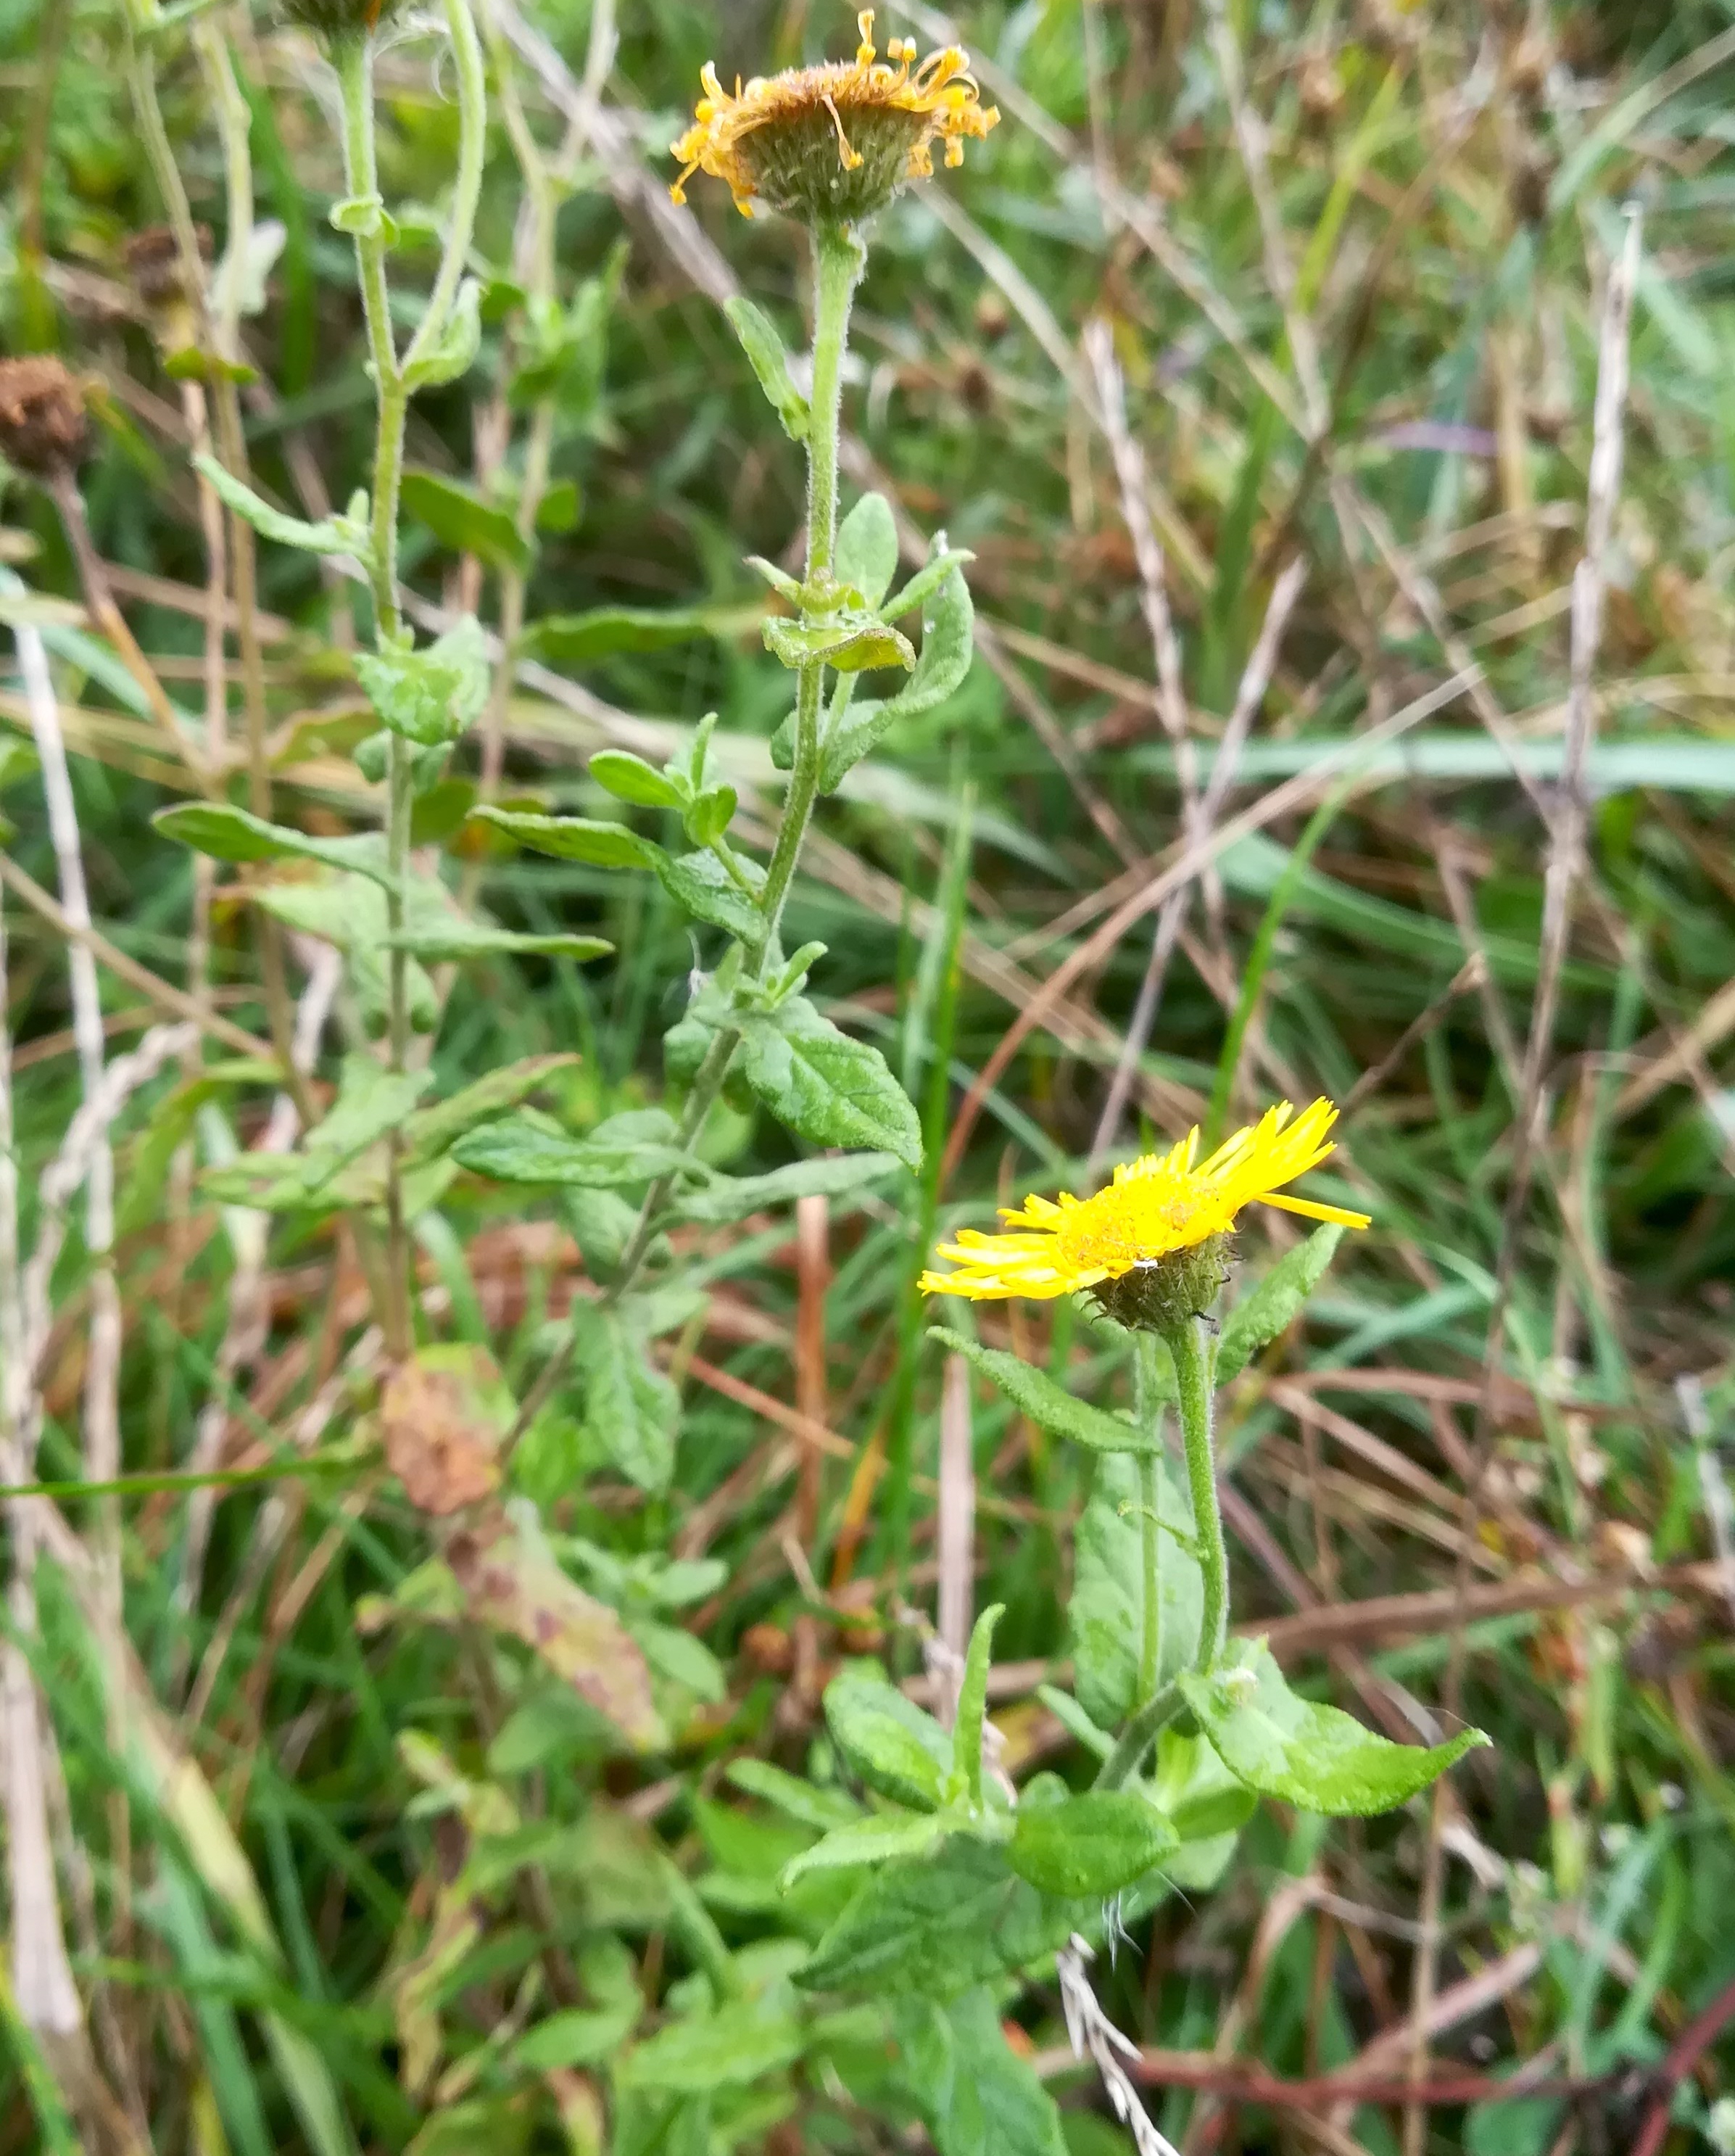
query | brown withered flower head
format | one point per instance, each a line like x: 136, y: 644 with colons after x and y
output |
x: 42, y: 429
x: 833, y: 144
x: 159, y: 277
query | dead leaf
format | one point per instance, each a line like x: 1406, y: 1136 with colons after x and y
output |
x: 512, y: 1583
x: 443, y: 1416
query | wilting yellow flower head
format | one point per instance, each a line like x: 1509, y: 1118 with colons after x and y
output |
x: 1155, y: 1208
x: 835, y: 142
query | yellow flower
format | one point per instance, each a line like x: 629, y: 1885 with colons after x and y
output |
x: 836, y: 141
x: 1153, y: 1209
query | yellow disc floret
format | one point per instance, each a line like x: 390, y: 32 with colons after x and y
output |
x: 837, y: 141
x: 1165, y: 1203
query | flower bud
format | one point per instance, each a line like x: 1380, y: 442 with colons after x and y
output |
x: 159, y: 277
x: 335, y: 20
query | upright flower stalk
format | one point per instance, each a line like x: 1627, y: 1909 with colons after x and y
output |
x: 395, y: 379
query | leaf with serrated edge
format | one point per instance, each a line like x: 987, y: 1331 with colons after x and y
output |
x: 1316, y: 1757
x: 826, y: 1087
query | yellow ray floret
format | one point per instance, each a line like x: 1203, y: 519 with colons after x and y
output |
x: 1161, y: 1204
x: 733, y: 137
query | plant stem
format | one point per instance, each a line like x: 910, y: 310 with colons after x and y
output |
x: 838, y: 257
x: 1137, y: 1737
x: 1195, y: 1354
x: 1148, y: 1414
x: 353, y: 58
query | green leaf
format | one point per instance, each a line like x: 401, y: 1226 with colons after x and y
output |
x: 1202, y: 1801
x: 580, y: 639
x: 973, y: 1702
x: 826, y: 1087
x: 1048, y: 1404
x: 629, y: 777
x: 739, y: 2043
x: 1316, y: 1757
x: 573, y: 2038
x: 429, y: 1132
x: 764, y: 352
x: 524, y: 1149
x: 866, y: 552
x: 871, y: 1841
x: 1105, y: 1614
x: 331, y: 535
x: 700, y: 884
x: 232, y: 834
x: 854, y: 643
x: 454, y: 350
x: 459, y: 939
x: 573, y: 837
x: 1090, y: 1845
x: 1276, y: 1302
x: 371, y: 1101
x: 710, y: 816
x: 559, y: 509
x: 737, y: 1197
x: 463, y: 520
x: 892, y: 1744
x: 429, y: 697
x: 978, y: 2096
x: 822, y: 1809
x: 937, y: 1926
x: 947, y: 629
x: 632, y: 1412
x: 926, y: 580
x: 676, y: 1655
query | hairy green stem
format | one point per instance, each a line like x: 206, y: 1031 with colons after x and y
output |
x: 1148, y: 1413
x: 838, y: 257
x: 1195, y: 1353
x: 1137, y: 1737
x: 467, y: 188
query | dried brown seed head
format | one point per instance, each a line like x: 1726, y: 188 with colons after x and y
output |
x: 43, y: 428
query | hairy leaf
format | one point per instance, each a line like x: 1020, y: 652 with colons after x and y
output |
x: 1107, y: 1612
x: 866, y: 553
x: 1274, y: 1305
x: 871, y: 1841
x: 892, y: 1744
x: 1093, y: 1844
x: 978, y: 2095
x: 1047, y: 1403
x: 631, y: 1410
x: 764, y: 352
x: 1316, y: 1757
x: 826, y: 1087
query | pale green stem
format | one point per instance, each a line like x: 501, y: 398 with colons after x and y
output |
x: 837, y: 261
x: 1148, y: 1413
x: 467, y: 189
x: 353, y: 58
x: 1195, y: 1353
